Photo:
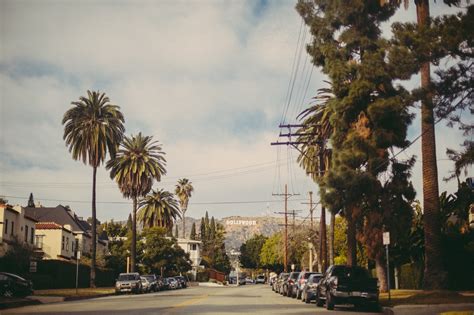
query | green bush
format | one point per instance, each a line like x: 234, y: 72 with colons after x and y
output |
x: 411, y: 276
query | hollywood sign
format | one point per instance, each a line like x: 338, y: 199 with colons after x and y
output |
x: 240, y: 222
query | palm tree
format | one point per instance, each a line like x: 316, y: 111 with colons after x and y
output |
x: 159, y: 208
x: 92, y: 128
x: 183, y: 190
x: 138, y: 162
x: 317, y: 131
x: 434, y: 274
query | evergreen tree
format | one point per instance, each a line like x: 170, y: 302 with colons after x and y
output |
x: 369, y: 115
x: 176, y: 231
x: 192, y: 235
x: 206, y: 221
x: 31, y: 201
x: 212, y: 229
x: 202, y: 230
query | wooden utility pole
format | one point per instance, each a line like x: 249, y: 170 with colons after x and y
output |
x: 311, y: 208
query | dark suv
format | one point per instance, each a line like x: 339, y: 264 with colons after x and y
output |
x: 343, y: 284
x: 289, y: 287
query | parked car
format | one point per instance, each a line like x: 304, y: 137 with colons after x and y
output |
x: 172, y: 283
x: 343, y: 284
x: 260, y: 279
x: 165, y: 284
x: 279, y: 282
x: 146, y: 285
x: 249, y: 280
x: 128, y: 282
x: 289, y: 286
x: 309, y: 290
x: 153, y: 280
x: 301, y: 281
x: 13, y: 285
x: 182, y: 281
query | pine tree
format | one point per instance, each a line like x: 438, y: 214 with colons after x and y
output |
x: 369, y: 115
x: 31, y: 201
x: 212, y: 229
x: 202, y: 230
x: 176, y: 231
x: 192, y: 235
x: 129, y: 222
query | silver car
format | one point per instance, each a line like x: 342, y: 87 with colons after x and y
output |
x: 128, y: 282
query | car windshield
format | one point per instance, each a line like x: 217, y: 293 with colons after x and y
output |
x: 295, y: 275
x: 126, y: 277
x: 149, y: 278
x: 307, y: 275
x: 350, y: 272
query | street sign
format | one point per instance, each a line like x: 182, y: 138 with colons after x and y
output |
x: 78, y: 255
x: 386, y: 238
x: 33, y: 265
x: 292, y: 267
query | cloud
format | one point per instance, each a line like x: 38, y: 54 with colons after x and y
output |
x: 206, y: 79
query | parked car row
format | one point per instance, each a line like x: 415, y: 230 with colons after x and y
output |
x: 340, y: 284
x: 134, y: 283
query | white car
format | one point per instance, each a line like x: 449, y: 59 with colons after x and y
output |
x: 173, y: 283
x: 146, y: 285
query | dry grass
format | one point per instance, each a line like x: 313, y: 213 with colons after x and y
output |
x: 399, y: 297
x: 84, y: 292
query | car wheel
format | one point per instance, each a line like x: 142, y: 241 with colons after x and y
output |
x: 8, y: 292
x: 319, y: 302
x: 329, y: 302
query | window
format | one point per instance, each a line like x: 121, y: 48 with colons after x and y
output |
x: 67, y: 243
x: 13, y: 228
x: 193, y: 247
x: 62, y: 246
x: 6, y: 226
x: 32, y: 237
x: 39, y: 241
x: 26, y: 233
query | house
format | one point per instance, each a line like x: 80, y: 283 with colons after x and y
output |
x: 193, y: 248
x: 66, y: 218
x: 55, y: 240
x: 16, y: 226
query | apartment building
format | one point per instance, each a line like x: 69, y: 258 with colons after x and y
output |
x: 16, y: 226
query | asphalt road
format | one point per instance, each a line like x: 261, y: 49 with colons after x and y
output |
x: 248, y: 299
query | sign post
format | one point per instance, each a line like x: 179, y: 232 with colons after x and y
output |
x: 386, y: 242
x: 78, y: 256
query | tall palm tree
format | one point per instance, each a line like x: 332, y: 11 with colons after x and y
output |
x: 139, y: 161
x: 92, y: 128
x: 183, y: 190
x: 315, y: 158
x: 158, y: 208
x: 434, y: 274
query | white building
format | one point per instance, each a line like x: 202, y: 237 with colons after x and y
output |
x: 16, y: 226
x: 193, y: 248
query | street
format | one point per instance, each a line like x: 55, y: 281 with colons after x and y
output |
x: 257, y: 299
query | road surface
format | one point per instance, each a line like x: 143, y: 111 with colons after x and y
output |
x: 247, y: 299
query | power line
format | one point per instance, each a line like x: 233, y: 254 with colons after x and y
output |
x: 129, y: 202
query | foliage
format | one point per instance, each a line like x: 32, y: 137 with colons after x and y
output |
x: 158, y: 251
x: 192, y: 234
x: 17, y: 258
x: 184, y: 190
x: 213, y: 252
x: 340, y: 244
x: 114, y: 229
x: 250, y: 252
x: 271, y: 253
x: 159, y: 208
x: 31, y: 201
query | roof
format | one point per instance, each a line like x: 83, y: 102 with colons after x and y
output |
x: 59, y: 215
x: 48, y: 226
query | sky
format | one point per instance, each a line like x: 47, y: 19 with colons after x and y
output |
x: 207, y: 79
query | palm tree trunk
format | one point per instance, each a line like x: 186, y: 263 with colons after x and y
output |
x: 381, y: 273
x: 184, y: 223
x: 331, y: 239
x: 134, y: 235
x: 434, y: 276
x: 323, y: 242
x: 351, y: 240
x: 94, y: 229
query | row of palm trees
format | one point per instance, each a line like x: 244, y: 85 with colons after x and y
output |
x: 94, y: 128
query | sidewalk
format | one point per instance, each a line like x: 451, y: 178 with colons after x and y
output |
x: 459, y: 309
